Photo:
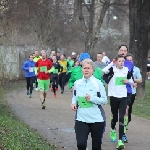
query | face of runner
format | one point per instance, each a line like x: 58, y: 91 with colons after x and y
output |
x: 120, y: 62
x: 62, y: 57
x: 53, y: 53
x: 58, y: 54
x: 54, y: 58
x: 148, y: 58
x: 129, y: 58
x: 99, y: 57
x: 87, y: 70
x: 123, y: 51
x: 43, y: 54
x: 77, y: 63
x: 36, y: 53
x: 69, y: 58
x: 31, y: 57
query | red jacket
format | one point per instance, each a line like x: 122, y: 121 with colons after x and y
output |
x: 42, y: 66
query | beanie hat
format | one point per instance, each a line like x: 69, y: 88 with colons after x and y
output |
x: 84, y: 56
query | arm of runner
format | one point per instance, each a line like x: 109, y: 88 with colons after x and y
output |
x: 102, y: 99
x: 106, y: 69
x: 35, y: 70
x: 138, y: 78
x: 25, y: 66
x: 74, y: 101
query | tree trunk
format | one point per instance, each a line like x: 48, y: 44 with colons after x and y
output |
x: 138, y: 22
x: 89, y: 36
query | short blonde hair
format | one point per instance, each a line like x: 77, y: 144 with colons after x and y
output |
x: 88, y: 61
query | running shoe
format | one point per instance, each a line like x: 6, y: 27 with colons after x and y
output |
x: 124, y: 139
x: 62, y: 91
x: 120, y: 145
x: 113, y: 136
x: 54, y: 96
x: 30, y: 96
x: 43, y: 105
x: 27, y: 92
x: 36, y: 89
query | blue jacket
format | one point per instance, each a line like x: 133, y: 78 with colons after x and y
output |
x: 89, y: 111
x: 29, y: 64
x: 130, y: 66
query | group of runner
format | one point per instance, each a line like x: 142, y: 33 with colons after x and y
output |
x: 87, y: 80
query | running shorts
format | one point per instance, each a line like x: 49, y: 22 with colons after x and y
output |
x: 43, y: 85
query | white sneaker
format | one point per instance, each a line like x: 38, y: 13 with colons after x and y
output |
x: 36, y: 89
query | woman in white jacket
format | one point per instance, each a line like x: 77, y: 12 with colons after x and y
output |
x: 88, y: 96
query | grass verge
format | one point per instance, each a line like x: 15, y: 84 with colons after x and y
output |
x: 15, y: 135
x: 142, y: 107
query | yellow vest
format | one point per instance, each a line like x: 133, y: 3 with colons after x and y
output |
x: 63, y: 63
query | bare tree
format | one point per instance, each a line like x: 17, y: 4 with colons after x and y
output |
x: 96, y: 10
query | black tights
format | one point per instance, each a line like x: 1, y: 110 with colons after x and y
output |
x: 83, y: 129
x: 30, y: 81
x: 54, y: 84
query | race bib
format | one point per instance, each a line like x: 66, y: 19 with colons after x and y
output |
x: 83, y: 103
x: 43, y: 69
x: 31, y: 69
x: 119, y: 80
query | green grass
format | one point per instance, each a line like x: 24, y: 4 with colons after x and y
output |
x: 142, y: 107
x: 14, y: 134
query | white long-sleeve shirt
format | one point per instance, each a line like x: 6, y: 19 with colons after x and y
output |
x: 115, y: 89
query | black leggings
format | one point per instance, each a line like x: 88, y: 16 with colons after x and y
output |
x: 62, y: 80
x: 54, y: 83
x: 121, y: 104
x: 35, y: 81
x: 130, y: 107
x: 30, y: 81
x: 82, y: 131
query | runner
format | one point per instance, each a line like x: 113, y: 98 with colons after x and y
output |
x: 70, y: 65
x: 42, y: 71
x: 118, y: 95
x: 148, y: 68
x: 58, y: 55
x: 73, y: 56
x: 89, y: 95
x: 77, y: 74
x: 35, y: 59
x: 105, y: 59
x: 137, y: 79
x: 28, y: 67
x: 62, y: 76
x: 99, y: 62
x: 54, y: 72
x: 123, y: 50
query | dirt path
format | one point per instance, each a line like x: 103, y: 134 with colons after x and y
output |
x: 56, y: 122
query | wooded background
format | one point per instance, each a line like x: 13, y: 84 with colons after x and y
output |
x: 73, y: 25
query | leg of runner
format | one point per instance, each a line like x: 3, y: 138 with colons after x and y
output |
x: 124, y: 137
x: 63, y: 82
x: 54, y: 86
x: 36, y: 83
x: 130, y: 107
x: 114, y: 110
x: 121, y: 104
x: 43, y: 86
x: 56, y: 79
x: 31, y: 85
x: 28, y: 85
